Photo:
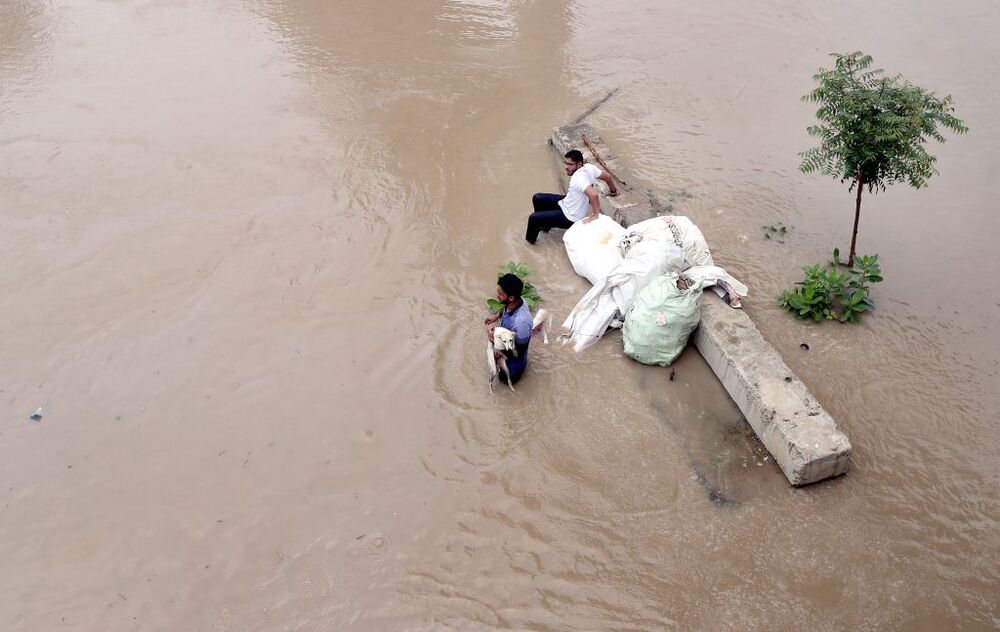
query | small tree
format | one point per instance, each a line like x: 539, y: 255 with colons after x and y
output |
x: 873, y: 129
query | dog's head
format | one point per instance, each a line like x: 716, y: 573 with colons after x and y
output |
x: 503, y: 339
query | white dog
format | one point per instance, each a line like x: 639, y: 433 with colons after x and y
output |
x: 503, y: 340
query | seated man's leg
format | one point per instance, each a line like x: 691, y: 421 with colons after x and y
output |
x: 544, y: 220
x: 546, y: 201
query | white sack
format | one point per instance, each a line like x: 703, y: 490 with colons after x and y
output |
x: 650, y: 254
x: 592, y: 247
x: 710, y: 275
x: 689, y: 237
x: 670, y: 243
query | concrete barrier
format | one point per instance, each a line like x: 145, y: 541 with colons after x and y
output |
x: 801, y: 436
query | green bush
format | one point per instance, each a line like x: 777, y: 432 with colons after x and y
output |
x: 530, y: 294
x: 826, y: 294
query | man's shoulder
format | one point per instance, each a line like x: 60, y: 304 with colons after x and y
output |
x: 587, y: 174
x: 523, y: 312
x: 522, y: 316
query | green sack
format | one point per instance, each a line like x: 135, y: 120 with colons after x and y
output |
x: 661, y: 319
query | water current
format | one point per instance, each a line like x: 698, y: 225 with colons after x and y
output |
x: 245, y: 246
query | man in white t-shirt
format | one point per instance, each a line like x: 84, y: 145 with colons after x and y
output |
x: 581, y: 201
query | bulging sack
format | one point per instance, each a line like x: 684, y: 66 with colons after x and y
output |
x: 646, y: 251
x: 592, y: 247
x: 688, y: 236
x: 661, y: 319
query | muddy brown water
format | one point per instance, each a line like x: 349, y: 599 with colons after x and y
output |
x: 244, y: 248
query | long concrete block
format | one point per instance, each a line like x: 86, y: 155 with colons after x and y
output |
x: 801, y: 436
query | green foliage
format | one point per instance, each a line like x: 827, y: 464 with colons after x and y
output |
x: 530, y: 294
x: 825, y: 294
x: 873, y: 129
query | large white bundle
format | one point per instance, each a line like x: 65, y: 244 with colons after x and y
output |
x: 649, y: 252
x: 620, y: 262
x: 689, y: 237
x: 593, y: 315
x: 684, y: 233
x: 592, y: 247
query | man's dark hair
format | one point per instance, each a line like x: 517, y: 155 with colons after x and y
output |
x: 575, y: 155
x: 511, y: 285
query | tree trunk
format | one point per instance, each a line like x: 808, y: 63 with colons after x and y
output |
x: 857, y: 217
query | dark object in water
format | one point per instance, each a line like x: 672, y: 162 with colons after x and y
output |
x: 594, y: 106
x: 715, y: 495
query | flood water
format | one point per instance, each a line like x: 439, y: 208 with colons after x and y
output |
x: 245, y: 246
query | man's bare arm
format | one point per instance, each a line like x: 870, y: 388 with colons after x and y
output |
x: 595, y: 204
x: 606, y: 177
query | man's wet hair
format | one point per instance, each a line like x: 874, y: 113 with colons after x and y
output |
x: 575, y: 155
x: 511, y: 285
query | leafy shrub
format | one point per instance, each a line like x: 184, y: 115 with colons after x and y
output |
x: 826, y: 294
x: 530, y: 294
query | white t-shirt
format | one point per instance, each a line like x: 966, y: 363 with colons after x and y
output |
x: 576, y: 205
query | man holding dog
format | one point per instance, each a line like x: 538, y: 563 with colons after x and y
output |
x: 552, y: 210
x: 516, y: 317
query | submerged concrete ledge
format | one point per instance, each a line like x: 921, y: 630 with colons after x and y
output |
x: 801, y: 436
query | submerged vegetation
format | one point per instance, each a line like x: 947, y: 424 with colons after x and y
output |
x: 826, y: 294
